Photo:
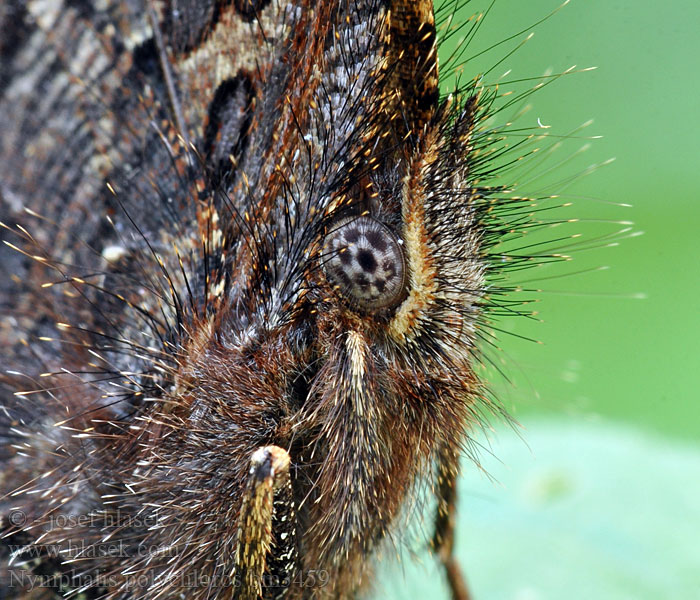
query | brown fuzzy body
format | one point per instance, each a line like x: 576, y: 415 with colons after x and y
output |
x: 170, y: 171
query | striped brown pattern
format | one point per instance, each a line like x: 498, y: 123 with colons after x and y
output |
x: 180, y: 379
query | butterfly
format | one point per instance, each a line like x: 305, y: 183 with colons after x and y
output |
x: 248, y: 267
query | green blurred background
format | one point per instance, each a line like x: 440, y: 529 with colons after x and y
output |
x: 596, y: 494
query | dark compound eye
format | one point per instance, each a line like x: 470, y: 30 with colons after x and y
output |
x: 364, y: 261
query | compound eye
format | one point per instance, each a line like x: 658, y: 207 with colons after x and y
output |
x: 364, y: 262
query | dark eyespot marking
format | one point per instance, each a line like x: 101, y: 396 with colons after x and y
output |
x: 362, y: 281
x: 352, y: 235
x: 377, y: 240
x: 342, y: 276
x: 367, y: 261
x: 364, y: 261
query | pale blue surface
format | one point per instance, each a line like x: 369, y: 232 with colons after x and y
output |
x: 588, y: 511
